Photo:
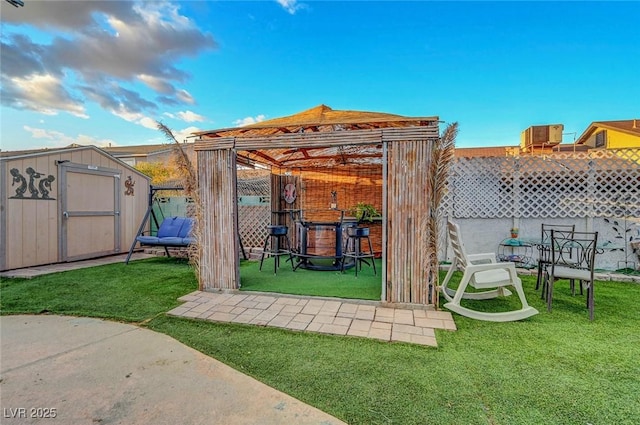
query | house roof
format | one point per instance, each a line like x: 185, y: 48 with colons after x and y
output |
x: 317, y: 137
x: 624, y: 126
x: 137, y: 149
x: 482, y: 152
x: 501, y: 151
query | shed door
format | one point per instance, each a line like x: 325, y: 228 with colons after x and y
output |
x: 90, y: 211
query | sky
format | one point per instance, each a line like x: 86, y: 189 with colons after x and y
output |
x: 106, y: 72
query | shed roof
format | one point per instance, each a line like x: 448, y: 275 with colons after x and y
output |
x: 11, y: 154
x: 118, y: 151
x: 44, y: 151
x: 316, y: 137
x: 35, y: 153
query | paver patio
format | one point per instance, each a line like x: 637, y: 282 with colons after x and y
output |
x: 367, y: 319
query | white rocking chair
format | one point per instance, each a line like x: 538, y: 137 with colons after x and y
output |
x: 481, y: 271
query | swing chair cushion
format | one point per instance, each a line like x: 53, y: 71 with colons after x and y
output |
x: 174, y: 231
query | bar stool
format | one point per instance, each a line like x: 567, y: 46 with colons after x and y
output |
x: 353, y: 248
x: 276, y: 234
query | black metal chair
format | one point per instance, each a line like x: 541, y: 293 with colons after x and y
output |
x: 353, y: 249
x: 573, y: 258
x: 544, y: 250
x: 276, y: 235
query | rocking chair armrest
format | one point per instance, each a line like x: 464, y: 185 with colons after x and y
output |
x: 507, y: 266
x: 482, y: 257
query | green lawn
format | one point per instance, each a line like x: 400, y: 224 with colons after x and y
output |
x: 366, y: 286
x: 554, y: 368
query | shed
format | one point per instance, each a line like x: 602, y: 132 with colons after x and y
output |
x: 331, y: 157
x: 67, y: 204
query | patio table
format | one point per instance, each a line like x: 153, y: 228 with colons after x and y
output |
x: 319, y: 241
x: 516, y: 250
x: 601, y: 247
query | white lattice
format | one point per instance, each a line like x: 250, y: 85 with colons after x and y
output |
x: 594, y: 184
x: 253, y: 222
x: 254, y: 219
x: 490, y: 179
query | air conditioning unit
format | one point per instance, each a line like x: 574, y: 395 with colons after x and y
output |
x: 541, y: 136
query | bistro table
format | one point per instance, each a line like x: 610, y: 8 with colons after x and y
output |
x: 320, y: 244
x: 516, y: 250
x: 601, y: 247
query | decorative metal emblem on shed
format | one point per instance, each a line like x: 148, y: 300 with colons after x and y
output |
x: 40, y: 192
x: 129, y: 183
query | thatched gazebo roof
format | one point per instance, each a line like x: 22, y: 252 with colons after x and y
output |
x: 314, y: 137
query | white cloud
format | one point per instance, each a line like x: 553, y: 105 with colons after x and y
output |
x: 182, y: 135
x: 135, y: 117
x: 249, y: 120
x: 160, y: 85
x: 98, y: 51
x: 189, y: 116
x: 56, y: 139
x: 185, y: 96
x: 148, y: 123
x: 44, y: 93
x: 291, y: 6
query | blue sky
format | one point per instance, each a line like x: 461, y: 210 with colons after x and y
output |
x: 104, y: 72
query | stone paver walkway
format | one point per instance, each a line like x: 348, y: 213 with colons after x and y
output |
x: 368, y: 319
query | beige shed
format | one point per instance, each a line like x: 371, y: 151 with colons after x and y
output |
x: 330, y: 157
x: 67, y: 204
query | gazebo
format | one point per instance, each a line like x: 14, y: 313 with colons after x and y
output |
x: 334, y: 159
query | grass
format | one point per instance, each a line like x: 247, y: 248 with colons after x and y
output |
x: 366, y: 286
x: 554, y: 368
x: 131, y: 293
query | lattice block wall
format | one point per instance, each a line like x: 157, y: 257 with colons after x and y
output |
x: 593, y: 190
x: 597, y: 184
x: 254, y: 219
x: 253, y: 222
x: 172, y: 206
x: 481, y: 188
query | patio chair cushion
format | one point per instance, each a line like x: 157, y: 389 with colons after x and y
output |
x: 173, y: 231
x: 170, y: 227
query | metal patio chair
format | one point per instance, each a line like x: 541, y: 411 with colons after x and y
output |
x: 544, y: 250
x: 573, y: 258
